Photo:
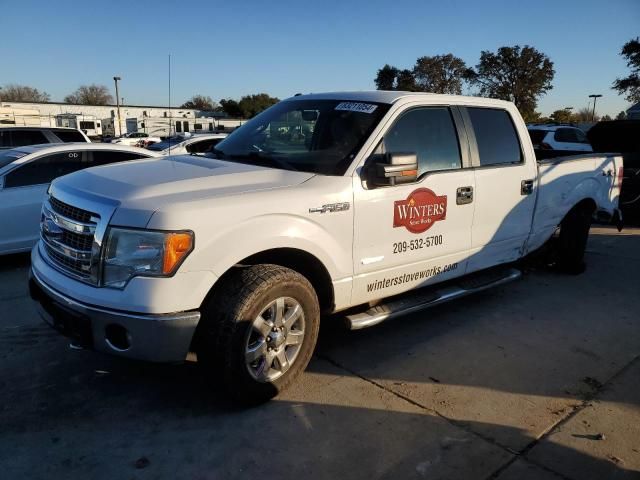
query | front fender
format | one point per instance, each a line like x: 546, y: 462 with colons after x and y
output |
x: 329, y: 240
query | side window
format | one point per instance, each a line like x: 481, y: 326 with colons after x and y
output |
x: 105, y: 157
x: 45, y: 169
x: 429, y: 133
x: 496, y: 136
x: 70, y: 136
x: 5, y: 139
x: 28, y: 137
x: 581, y: 136
x: 202, y: 146
x: 567, y: 135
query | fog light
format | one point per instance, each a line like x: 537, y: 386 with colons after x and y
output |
x: 117, y: 337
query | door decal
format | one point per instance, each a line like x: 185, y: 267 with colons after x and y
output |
x: 419, y: 211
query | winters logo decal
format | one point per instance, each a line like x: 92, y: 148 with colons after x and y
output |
x: 419, y: 211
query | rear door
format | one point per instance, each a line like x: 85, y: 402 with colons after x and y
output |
x: 410, y: 235
x: 505, y: 187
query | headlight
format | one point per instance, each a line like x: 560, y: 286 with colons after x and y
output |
x: 130, y: 253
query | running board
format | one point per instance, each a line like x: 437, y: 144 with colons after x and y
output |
x: 421, y: 300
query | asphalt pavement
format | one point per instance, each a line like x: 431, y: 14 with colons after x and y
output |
x: 536, y: 379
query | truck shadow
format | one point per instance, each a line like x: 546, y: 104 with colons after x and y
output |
x: 88, y: 416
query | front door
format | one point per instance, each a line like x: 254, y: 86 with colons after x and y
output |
x: 410, y: 235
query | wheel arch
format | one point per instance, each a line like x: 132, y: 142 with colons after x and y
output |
x: 295, y: 259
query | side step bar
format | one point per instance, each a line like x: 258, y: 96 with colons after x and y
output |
x: 421, y: 300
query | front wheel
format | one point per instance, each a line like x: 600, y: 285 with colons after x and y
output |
x: 258, y: 331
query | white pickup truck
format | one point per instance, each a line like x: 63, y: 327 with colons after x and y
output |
x: 325, y: 203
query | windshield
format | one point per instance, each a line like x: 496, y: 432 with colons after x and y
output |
x: 317, y: 136
x: 8, y: 156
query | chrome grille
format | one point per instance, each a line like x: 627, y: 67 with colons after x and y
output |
x: 70, y: 212
x: 67, y: 234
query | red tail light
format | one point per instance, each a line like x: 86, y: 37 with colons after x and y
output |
x: 620, y: 177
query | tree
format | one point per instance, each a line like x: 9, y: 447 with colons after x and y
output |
x: 606, y: 118
x: 630, y: 86
x: 22, y: 93
x: 621, y: 116
x: 201, y: 102
x: 386, y: 78
x: 535, y: 117
x: 405, y: 81
x: 440, y: 74
x: 231, y: 107
x: 90, y: 95
x: 562, y: 116
x: 518, y: 74
x: 251, y: 105
x: 584, y: 115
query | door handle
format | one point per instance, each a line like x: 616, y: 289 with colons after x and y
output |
x: 464, y: 195
x: 526, y: 187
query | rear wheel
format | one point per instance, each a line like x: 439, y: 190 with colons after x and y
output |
x: 258, y: 331
x: 571, y: 240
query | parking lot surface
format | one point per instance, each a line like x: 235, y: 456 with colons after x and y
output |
x: 537, y: 379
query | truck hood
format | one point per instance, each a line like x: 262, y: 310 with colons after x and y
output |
x: 144, y: 186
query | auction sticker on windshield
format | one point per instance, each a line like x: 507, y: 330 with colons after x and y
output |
x: 356, y: 107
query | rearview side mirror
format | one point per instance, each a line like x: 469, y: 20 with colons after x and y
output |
x: 394, y: 168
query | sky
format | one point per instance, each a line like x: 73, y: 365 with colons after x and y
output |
x: 234, y: 48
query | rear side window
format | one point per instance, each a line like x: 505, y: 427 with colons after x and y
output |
x: 429, y: 133
x: 496, y: 136
x: 203, y: 145
x: 21, y: 138
x: 69, y: 136
x: 105, y: 157
x: 567, y: 135
x: 45, y: 169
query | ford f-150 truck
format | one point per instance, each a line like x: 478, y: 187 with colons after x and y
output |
x: 324, y: 205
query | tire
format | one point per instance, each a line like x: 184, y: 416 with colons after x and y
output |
x: 572, y: 240
x: 246, y: 334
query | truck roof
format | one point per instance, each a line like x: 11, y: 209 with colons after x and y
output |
x: 388, y: 96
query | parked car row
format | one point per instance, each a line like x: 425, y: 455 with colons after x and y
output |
x: 20, y: 136
x: 25, y: 175
x: 135, y: 139
x: 187, y: 143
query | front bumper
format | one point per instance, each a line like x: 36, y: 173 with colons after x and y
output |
x: 151, y: 337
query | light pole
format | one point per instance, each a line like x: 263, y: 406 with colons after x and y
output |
x: 595, y: 97
x: 115, y: 79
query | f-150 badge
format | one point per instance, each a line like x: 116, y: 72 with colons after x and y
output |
x: 420, y: 210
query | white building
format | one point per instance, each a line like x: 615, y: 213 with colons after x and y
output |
x: 155, y: 120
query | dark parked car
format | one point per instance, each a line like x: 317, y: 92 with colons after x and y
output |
x: 622, y: 136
